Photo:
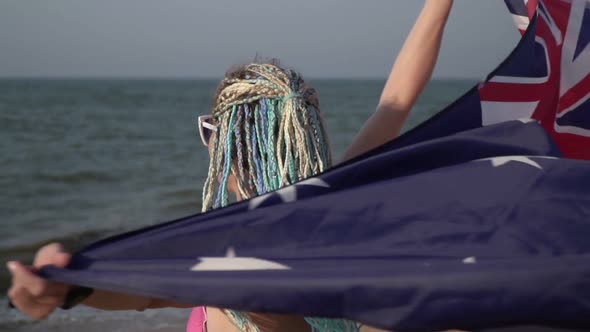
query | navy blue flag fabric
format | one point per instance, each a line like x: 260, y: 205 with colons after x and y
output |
x: 461, y: 223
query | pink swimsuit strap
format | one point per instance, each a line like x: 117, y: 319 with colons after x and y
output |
x: 198, y: 320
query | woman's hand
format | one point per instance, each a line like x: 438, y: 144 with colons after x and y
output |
x: 33, y: 295
x: 38, y: 297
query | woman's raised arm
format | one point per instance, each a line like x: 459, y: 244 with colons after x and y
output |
x: 410, y: 74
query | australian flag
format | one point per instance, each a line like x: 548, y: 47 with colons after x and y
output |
x: 478, y: 218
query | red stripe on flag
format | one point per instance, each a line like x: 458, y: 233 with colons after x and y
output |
x: 531, y: 7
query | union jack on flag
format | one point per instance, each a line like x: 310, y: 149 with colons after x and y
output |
x: 545, y: 78
x: 552, y: 83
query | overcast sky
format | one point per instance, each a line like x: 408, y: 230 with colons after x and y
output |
x: 201, y: 38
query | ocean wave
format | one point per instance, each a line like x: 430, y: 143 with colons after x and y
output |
x: 76, y: 177
x: 186, y: 207
x: 182, y: 193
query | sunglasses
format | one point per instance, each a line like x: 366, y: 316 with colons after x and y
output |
x: 206, y: 128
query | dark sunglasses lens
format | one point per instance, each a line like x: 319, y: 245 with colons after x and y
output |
x: 207, y: 134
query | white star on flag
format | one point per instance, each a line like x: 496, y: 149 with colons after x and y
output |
x: 287, y: 194
x: 527, y: 120
x: 500, y: 161
x: 232, y: 263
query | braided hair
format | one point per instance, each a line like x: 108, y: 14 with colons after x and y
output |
x: 270, y: 133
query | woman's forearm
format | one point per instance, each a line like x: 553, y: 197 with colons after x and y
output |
x: 415, y: 63
x: 410, y: 74
x: 116, y: 301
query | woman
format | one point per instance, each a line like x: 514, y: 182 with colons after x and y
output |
x: 249, y: 158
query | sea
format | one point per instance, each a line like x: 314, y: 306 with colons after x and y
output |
x: 82, y: 159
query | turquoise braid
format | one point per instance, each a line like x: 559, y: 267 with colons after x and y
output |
x: 258, y: 164
x: 239, y: 143
x: 332, y: 325
x: 219, y: 159
x: 261, y: 148
x: 275, y: 176
x: 227, y: 165
x: 253, y: 178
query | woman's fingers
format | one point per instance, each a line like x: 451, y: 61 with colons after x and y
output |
x: 52, y: 254
x: 51, y: 300
x: 23, y: 276
x: 25, y: 302
x: 33, y: 295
